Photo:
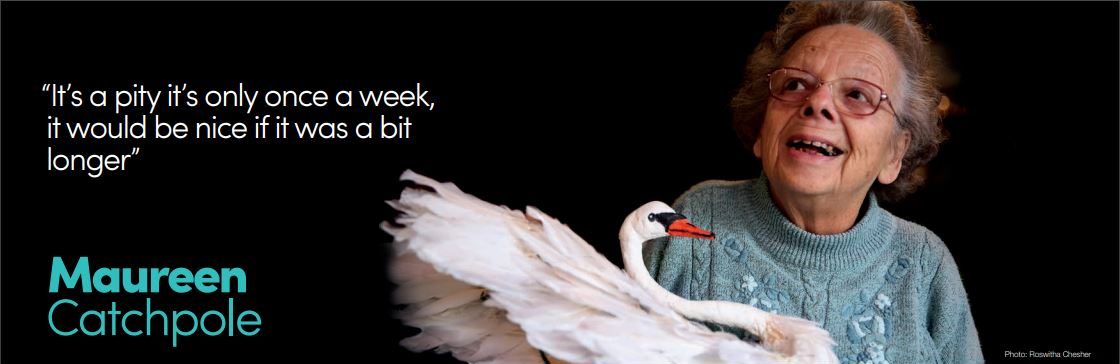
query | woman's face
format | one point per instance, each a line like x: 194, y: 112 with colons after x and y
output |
x: 871, y: 147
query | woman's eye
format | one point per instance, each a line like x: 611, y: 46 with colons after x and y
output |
x: 857, y: 95
x: 795, y: 85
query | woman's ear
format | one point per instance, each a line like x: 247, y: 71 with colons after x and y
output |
x: 894, y: 166
x: 757, y: 148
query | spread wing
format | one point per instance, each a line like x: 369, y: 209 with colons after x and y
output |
x: 491, y: 284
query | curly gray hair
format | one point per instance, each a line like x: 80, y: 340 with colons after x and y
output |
x: 897, y: 23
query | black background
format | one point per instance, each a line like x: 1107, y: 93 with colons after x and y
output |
x: 583, y: 110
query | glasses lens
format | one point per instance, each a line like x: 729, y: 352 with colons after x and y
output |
x: 857, y: 97
x: 852, y: 96
x: 792, y: 85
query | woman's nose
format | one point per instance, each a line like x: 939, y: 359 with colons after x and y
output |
x: 820, y: 102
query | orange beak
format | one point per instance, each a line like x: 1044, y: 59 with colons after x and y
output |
x: 684, y: 228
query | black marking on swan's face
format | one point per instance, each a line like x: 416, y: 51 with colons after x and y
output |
x: 665, y: 218
x: 677, y: 225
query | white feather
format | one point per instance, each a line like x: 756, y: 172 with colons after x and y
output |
x: 493, y: 285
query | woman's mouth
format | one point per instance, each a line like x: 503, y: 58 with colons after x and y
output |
x: 815, y: 147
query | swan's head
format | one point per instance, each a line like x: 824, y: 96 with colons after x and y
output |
x: 656, y: 219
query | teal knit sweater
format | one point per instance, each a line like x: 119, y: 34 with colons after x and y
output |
x: 887, y: 290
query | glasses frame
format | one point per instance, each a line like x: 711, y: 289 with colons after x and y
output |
x: 882, y: 94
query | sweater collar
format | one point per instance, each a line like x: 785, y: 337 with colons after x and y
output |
x: 788, y: 243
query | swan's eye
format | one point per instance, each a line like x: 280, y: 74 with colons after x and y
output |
x: 650, y: 217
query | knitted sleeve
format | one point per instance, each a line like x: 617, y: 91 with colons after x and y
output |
x: 950, y: 319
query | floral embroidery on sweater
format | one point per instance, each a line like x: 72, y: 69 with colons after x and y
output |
x: 762, y: 293
x: 869, y: 323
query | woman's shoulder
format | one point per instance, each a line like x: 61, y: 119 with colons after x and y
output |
x: 925, y: 246
x: 913, y: 231
x: 714, y: 189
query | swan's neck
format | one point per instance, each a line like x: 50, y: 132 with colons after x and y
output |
x: 720, y: 312
x: 632, y: 245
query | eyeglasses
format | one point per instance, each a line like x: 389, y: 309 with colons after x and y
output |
x: 852, y: 96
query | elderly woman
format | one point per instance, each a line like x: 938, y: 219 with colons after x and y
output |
x: 839, y: 104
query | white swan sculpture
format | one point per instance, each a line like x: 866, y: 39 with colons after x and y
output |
x: 493, y: 285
